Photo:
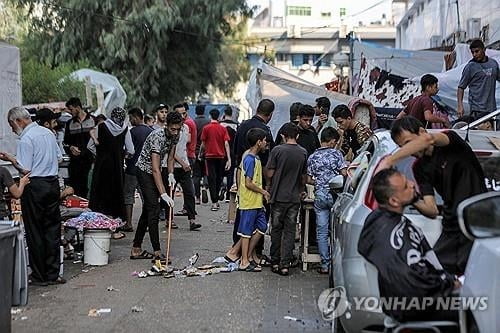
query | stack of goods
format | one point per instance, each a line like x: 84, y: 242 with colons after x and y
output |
x: 93, y: 220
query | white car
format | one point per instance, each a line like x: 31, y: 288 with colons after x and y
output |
x: 348, y: 269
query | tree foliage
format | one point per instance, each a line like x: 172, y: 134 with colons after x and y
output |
x: 160, y: 50
x: 41, y: 83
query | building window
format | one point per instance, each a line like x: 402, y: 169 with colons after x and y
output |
x: 297, y: 60
x: 327, y: 14
x: 299, y: 10
x: 342, y: 12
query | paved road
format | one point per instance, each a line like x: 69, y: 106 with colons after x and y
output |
x: 225, y: 302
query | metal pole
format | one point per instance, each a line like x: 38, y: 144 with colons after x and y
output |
x: 482, y: 119
x: 351, y: 60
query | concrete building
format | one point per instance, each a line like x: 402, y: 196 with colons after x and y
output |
x: 308, y: 38
x: 436, y: 23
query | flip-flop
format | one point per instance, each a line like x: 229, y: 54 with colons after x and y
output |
x: 265, y: 262
x: 255, y: 267
x: 144, y: 255
x: 229, y: 260
x: 120, y: 235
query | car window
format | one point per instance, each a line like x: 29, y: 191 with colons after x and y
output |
x: 358, y: 167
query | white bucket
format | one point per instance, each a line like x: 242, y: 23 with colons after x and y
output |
x: 96, y: 247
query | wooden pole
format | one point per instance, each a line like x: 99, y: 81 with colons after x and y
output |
x: 170, y: 216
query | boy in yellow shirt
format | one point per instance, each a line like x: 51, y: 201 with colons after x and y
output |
x: 253, y: 222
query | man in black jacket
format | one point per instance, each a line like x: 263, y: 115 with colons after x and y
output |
x: 407, y: 266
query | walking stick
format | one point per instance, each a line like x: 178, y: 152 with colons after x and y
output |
x: 170, y: 215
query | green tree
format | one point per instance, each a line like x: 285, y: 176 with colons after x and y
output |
x: 160, y: 50
x: 13, y: 23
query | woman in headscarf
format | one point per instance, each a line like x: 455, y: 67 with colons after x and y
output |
x: 114, y: 143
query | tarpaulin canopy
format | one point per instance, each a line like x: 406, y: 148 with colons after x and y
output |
x: 267, y: 81
x: 114, y: 93
x: 400, y: 62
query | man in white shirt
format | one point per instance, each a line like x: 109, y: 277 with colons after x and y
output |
x: 182, y: 171
x: 38, y: 154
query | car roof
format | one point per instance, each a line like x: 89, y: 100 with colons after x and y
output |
x: 479, y: 140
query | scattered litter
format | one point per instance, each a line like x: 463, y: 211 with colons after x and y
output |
x: 194, y: 259
x: 24, y: 318
x: 294, y: 296
x: 77, y: 261
x: 293, y: 319
x: 98, y: 312
x: 219, y: 260
x: 15, y: 311
x: 44, y: 294
x: 206, y: 267
x: 136, y: 308
x: 232, y: 266
x: 134, y: 273
x: 111, y: 288
x: 142, y: 274
x: 85, y: 270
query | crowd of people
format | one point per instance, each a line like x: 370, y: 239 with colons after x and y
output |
x: 110, y: 159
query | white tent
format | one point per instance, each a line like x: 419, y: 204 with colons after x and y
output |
x: 267, y: 81
x: 10, y: 93
x: 113, y: 90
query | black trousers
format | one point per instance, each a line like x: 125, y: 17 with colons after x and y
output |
x: 183, y: 178
x: 198, y: 174
x: 150, y: 210
x: 229, y: 180
x: 216, y: 172
x: 42, y: 221
x: 452, y: 249
x: 78, y: 171
x: 284, y: 219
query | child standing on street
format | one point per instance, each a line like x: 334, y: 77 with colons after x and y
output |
x: 253, y: 222
x: 324, y: 164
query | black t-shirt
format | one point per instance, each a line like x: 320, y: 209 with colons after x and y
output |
x: 454, y: 172
x: 241, y: 143
x: 290, y: 163
x: 6, y: 181
x: 308, y: 139
x: 406, y: 264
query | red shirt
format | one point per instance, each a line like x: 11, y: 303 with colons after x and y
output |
x: 214, y: 137
x: 191, y: 146
x: 418, y: 105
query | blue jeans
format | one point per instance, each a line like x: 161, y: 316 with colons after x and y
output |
x: 323, y: 204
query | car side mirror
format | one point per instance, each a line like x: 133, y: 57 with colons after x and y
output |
x: 479, y: 216
x: 336, y: 183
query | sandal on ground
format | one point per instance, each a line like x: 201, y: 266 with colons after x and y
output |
x: 118, y: 235
x: 283, y: 271
x: 255, y: 267
x: 229, y: 260
x: 59, y: 280
x: 265, y: 262
x: 143, y: 255
x: 321, y: 270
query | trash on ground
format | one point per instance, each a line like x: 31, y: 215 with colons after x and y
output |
x: 219, y: 260
x: 24, y: 318
x: 111, y: 288
x: 194, y: 259
x: 77, y: 261
x: 15, y: 311
x: 292, y: 319
x: 142, y: 274
x: 44, y: 294
x: 98, y: 312
x: 134, y: 273
x: 206, y: 267
x: 136, y: 308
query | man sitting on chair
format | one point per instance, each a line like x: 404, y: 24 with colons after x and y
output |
x: 408, y: 269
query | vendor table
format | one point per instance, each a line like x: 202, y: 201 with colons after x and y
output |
x: 307, y: 258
